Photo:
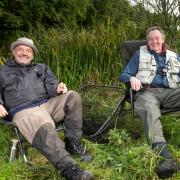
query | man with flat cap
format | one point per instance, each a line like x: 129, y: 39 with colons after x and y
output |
x: 35, y: 100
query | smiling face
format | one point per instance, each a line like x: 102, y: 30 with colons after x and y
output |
x: 155, y: 40
x: 23, y: 54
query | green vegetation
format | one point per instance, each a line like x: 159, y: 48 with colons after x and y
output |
x: 81, y: 57
x: 120, y: 158
x: 30, y: 16
x: 81, y: 42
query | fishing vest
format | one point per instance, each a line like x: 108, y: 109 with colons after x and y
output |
x: 147, y: 67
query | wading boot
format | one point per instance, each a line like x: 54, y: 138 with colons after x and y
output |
x: 167, y: 166
x: 73, y: 146
x: 75, y: 173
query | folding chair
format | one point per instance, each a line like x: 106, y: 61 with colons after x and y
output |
x: 18, y: 136
x: 20, y: 140
x: 128, y: 49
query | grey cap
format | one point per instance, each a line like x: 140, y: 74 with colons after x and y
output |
x: 24, y: 41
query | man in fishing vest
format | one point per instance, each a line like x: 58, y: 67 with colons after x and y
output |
x: 154, y: 73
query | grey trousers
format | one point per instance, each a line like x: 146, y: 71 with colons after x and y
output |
x: 147, y: 105
x: 37, y: 125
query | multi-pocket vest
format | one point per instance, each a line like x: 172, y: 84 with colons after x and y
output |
x: 148, y: 68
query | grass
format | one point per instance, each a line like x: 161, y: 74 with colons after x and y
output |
x: 92, y: 56
x: 121, y: 158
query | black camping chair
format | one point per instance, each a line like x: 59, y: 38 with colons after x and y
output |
x: 128, y: 49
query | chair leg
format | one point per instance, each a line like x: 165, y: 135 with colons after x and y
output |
x: 13, y: 151
x: 132, y: 111
x: 135, y: 133
x: 22, y: 151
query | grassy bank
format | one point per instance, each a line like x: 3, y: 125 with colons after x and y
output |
x: 121, y: 158
x: 77, y: 58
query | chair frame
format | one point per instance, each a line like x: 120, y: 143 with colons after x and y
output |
x: 20, y: 141
x: 59, y: 127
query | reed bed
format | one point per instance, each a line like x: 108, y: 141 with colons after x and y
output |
x: 81, y: 57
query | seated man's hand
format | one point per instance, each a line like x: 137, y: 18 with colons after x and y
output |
x: 135, y: 84
x: 61, y: 88
x: 3, y: 112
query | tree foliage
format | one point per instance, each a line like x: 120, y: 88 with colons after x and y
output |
x: 113, y: 11
x: 165, y: 13
x: 28, y: 16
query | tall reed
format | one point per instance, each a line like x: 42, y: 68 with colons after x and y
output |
x: 81, y: 56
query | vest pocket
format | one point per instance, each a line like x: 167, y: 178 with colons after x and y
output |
x: 144, y: 64
x: 175, y: 66
x: 175, y: 78
x: 145, y: 76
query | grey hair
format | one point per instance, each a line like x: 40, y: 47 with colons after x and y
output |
x: 155, y: 28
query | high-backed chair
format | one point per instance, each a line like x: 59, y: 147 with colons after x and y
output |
x: 128, y: 49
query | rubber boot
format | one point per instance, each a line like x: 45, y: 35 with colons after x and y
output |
x: 167, y: 166
x: 75, y: 173
x: 74, y: 147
